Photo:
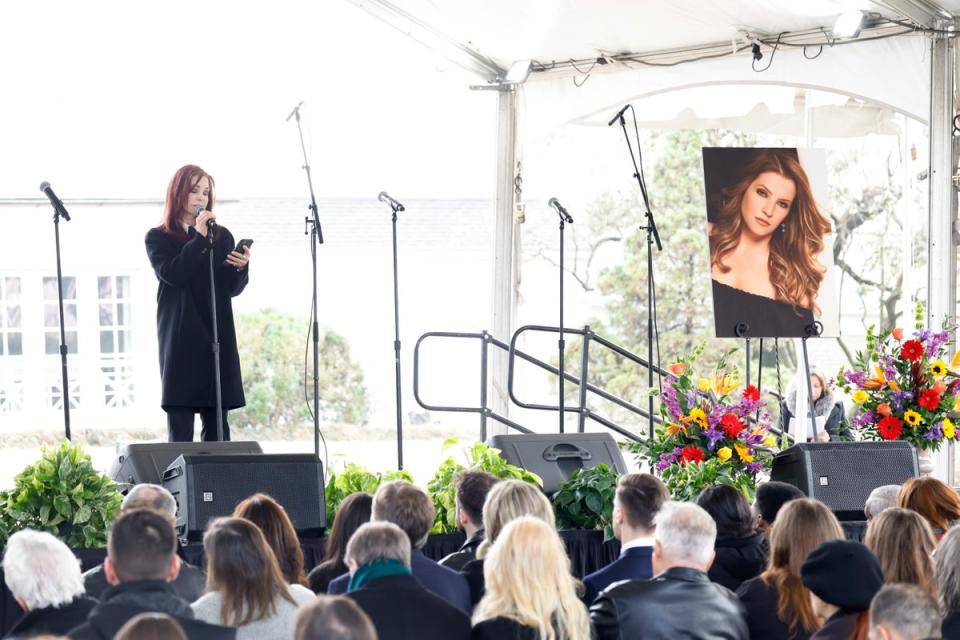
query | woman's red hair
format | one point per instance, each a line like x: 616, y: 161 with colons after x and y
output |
x: 177, y: 193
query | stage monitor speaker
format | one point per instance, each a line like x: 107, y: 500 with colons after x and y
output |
x: 555, y: 456
x: 210, y: 486
x: 842, y: 474
x: 146, y: 461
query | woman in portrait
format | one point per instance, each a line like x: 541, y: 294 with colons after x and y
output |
x: 766, y: 233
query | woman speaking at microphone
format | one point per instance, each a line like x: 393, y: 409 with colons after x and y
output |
x: 179, y: 253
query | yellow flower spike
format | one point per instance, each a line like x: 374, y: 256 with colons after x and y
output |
x: 949, y: 431
x: 744, y: 452
x: 770, y: 440
x: 860, y: 396
x: 956, y: 360
x: 938, y: 368
x: 703, y: 385
x: 724, y: 453
x: 912, y: 418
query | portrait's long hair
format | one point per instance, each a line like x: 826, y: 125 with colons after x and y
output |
x: 801, y: 526
x: 795, y: 272
x: 176, y: 201
x: 527, y: 576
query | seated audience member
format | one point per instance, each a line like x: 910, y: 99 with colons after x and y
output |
x: 903, y: 542
x: 273, y: 521
x: 946, y: 565
x: 843, y: 577
x: 778, y: 605
x: 741, y: 548
x: 637, y: 501
x: 531, y: 594
x: 141, y: 563
x: 903, y: 612
x: 352, y: 512
x: 190, y: 581
x: 508, y: 500
x: 408, y: 507
x: 680, y: 601
x: 383, y: 585
x: 881, y: 499
x: 245, y: 587
x: 472, y: 487
x: 333, y: 618
x: 151, y: 626
x: 771, y: 496
x: 936, y: 501
x: 44, y: 578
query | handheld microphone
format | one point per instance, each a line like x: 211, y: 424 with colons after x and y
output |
x: 296, y: 109
x: 383, y: 197
x: 54, y: 200
x: 619, y: 115
x: 198, y: 210
x: 564, y: 215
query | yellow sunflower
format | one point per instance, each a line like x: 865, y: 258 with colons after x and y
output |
x: 938, y: 368
x: 912, y: 418
x: 743, y: 452
x: 699, y: 416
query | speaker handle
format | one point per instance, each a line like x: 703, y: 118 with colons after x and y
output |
x: 175, y: 472
x: 561, y: 451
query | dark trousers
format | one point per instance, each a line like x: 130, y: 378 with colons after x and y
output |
x: 180, y: 424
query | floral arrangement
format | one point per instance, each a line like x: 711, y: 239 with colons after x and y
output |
x: 713, y: 432
x: 903, y: 388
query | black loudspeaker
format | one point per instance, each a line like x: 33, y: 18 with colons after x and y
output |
x: 146, y: 461
x: 555, y: 456
x: 842, y: 474
x: 210, y: 486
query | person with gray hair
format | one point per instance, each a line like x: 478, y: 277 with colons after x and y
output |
x: 680, y: 601
x: 881, y: 499
x: 903, y: 612
x: 410, y: 508
x: 946, y: 567
x: 383, y: 585
x: 191, y: 581
x: 44, y: 577
x: 333, y: 618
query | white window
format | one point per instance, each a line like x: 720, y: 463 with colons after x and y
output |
x: 51, y: 331
x: 11, y: 345
x: 116, y: 345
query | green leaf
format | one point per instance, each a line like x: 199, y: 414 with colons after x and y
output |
x: 62, y: 504
x: 82, y: 515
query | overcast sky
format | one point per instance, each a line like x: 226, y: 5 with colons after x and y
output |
x: 108, y: 98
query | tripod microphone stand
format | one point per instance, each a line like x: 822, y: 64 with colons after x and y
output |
x: 653, y: 236
x: 564, y: 218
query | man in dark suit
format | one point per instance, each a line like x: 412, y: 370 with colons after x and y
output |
x: 141, y: 563
x: 472, y: 487
x: 191, y: 581
x: 680, y: 601
x: 636, y: 502
x: 408, y: 507
x: 382, y: 584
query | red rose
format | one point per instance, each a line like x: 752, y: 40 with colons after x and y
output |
x: 897, y: 334
x: 731, y: 425
x: 929, y: 400
x: 691, y: 454
x: 912, y: 350
x: 890, y: 427
x: 751, y: 393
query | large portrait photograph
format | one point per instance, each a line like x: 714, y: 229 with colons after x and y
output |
x: 771, y: 242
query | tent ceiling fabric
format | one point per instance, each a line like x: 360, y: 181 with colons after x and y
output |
x: 510, y: 30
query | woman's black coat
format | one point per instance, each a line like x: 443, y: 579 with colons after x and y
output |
x: 184, y: 326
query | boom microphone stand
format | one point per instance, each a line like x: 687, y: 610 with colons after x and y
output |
x: 316, y: 237
x: 59, y: 211
x: 394, y: 208
x: 564, y: 218
x: 652, y: 236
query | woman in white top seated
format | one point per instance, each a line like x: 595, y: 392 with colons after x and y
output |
x: 245, y: 587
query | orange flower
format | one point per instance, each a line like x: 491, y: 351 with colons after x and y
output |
x: 940, y: 386
x: 884, y: 409
x: 897, y: 334
x: 893, y: 385
x: 674, y: 429
x: 677, y: 368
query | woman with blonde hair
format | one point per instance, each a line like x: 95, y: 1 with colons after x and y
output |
x: 530, y: 592
x: 778, y: 605
x: 766, y: 233
x: 903, y: 542
x: 936, y: 501
x: 507, y: 501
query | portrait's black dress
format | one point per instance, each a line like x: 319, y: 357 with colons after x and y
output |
x: 766, y: 317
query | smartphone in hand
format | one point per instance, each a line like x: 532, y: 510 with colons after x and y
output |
x: 246, y: 242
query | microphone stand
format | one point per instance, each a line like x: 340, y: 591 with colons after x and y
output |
x: 652, y: 236
x: 57, y: 213
x: 316, y: 237
x: 564, y: 218
x: 394, y: 208
x: 215, y: 345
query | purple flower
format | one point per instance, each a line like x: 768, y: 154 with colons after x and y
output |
x: 754, y: 467
x: 691, y: 398
x: 863, y: 419
x: 753, y: 439
x: 855, y: 377
x: 935, y: 433
x: 714, y: 436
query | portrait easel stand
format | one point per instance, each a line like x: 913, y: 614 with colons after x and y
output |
x: 812, y: 330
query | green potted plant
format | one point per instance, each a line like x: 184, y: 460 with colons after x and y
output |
x: 64, y: 495
x: 585, y: 500
x: 352, y: 479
